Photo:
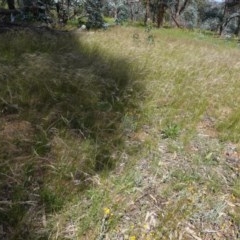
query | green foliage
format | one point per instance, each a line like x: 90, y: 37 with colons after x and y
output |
x: 190, y: 16
x: 122, y: 14
x: 117, y: 9
x: 171, y: 131
x: 229, y: 128
x: 93, y: 9
x: 51, y: 200
x: 210, y: 15
x: 236, y: 188
x: 42, y: 142
x: 150, y: 36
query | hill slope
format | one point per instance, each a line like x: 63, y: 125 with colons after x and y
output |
x: 120, y: 134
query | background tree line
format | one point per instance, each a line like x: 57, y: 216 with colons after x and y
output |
x: 222, y: 17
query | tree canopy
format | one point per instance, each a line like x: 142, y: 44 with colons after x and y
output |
x: 222, y: 17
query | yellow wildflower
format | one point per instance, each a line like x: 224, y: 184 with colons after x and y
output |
x: 106, y: 211
x: 150, y: 236
x: 132, y: 238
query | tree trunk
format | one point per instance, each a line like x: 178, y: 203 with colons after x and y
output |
x: 131, y: 12
x: 178, y: 10
x: 147, y: 14
x: 160, y: 15
x: 115, y: 13
x: 11, y: 4
x: 222, y: 20
x: 238, y: 27
x: 176, y: 22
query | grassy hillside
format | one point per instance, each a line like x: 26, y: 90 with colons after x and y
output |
x: 120, y: 134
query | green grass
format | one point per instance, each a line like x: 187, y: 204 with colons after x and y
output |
x: 110, y: 119
x: 71, y: 97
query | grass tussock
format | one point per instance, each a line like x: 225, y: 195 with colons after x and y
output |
x: 159, y: 108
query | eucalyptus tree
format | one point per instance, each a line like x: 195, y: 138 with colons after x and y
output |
x: 231, y: 19
x: 122, y: 10
x: 177, y: 8
x: 223, y: 17
x: 211, y: 15
x: 160, y: 8
x: 93, y: 9
x: 118, y: 9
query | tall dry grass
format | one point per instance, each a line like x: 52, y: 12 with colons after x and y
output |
x: 89, y: 102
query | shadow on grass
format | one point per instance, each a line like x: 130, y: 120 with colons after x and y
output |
x: 62, y: 103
